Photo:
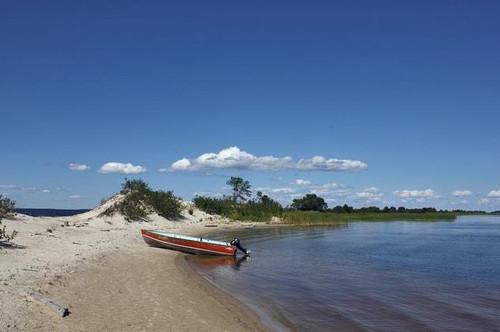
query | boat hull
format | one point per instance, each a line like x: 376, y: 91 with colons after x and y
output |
x: 197, y: 246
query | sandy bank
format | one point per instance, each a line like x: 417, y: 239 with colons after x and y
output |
x: 109, y: 278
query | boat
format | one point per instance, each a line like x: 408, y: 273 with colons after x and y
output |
x: 191, y: 244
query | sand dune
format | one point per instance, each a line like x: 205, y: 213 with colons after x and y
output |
x: 71, y: 259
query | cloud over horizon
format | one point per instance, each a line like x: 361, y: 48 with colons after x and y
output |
x: 233, y: 157
x: 121, y: 168
x: 462, y: 193
x: 494, y: 194
x: 302, y: 182
x: 78, y: 167
x: 21, y: 188
x: 427, y: 193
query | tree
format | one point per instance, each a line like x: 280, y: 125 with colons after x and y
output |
x: 309, y: 202
x: 241, y: 188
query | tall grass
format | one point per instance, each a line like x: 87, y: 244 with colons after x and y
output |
x: 325, y: 218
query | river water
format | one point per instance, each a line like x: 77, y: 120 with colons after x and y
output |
x: 368, y: 276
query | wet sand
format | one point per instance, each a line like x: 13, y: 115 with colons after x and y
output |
x: 149, y: 289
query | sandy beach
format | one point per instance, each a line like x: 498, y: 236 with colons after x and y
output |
x: 101, y: 269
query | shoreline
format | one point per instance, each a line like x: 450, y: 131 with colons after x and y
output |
x: 111, y: 280
x: 144, y: 290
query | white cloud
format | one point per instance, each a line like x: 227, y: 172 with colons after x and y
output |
x: 233, y: 157
x: 417, y: 194
x: 121, y: 168
x: 75, y: 196
x: 181, y: 165
x: 20, y: 188
x: 283, y: 190
x: 319, y: 163
x: 8, y: 186
x: 302, y: 182
x: 494, y: 194
x: 484, y: 201
x: 461, y: 193
x: 369, y: 194
x: 325, y: 188
x: 78, y: 167
x: 29, y: 189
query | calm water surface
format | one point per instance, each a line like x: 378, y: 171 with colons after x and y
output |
x: 369, y: 276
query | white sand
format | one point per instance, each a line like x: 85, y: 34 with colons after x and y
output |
x: 55, y: 249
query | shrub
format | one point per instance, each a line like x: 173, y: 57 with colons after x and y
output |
x: 7, y: 208
x: 140, y: 200
x: 133, y: 207
x: 310, y: 202
x: 211, y: 205
x: 165, y: 204
x: 261, y: 209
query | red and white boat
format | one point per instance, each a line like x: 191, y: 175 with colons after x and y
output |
x: 191, y: 244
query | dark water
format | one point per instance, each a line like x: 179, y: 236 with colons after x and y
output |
x: 378, y: 276
x: 50, y: 212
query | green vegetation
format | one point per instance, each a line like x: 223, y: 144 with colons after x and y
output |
x: 140, y: 200
x: 325, y: 218
x: 261, y: 208
x: 308, y: 210
x: 240, y: 205
x: 241, y: 189
x: 7, y: 208
x: 309, y: 202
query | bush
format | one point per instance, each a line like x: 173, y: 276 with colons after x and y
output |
x: 165, y: 204
x: 7, y: 208
x: 140, y: 200
x: 133, y: 207
x: 310, y: 202
x: 137, y: 185
x: 212, y: 205
x: 261, y: 209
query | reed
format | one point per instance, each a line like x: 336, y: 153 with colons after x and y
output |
x: 326, y: 218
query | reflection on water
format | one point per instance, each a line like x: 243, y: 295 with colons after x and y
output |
x: 218, y: 261
x: 394, y: 276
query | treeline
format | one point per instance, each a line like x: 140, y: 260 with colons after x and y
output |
x: 242, y: 205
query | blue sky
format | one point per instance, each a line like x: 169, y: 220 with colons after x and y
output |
x: 407, y: 91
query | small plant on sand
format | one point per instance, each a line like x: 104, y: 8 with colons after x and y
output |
x: 7, y: 208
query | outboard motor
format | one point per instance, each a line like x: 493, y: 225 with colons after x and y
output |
x: 236, y: 243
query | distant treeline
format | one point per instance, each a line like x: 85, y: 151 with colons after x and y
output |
x: 310, y: 209
x: 375, y: 209
x: 50, y: 212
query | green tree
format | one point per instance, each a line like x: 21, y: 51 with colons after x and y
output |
x: 241, y: 188
x: 310, y: 202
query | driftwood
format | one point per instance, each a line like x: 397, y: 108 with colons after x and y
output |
x: 58, y: 309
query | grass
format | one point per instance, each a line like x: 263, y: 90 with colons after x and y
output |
x: 310, y: 218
